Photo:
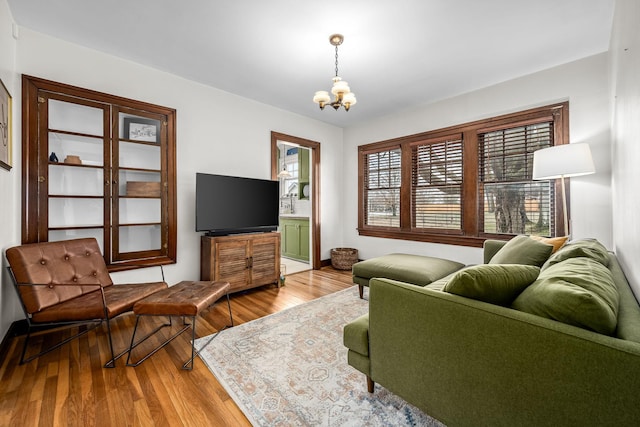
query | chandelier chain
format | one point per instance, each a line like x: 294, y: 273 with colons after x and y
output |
x: 336, y: 61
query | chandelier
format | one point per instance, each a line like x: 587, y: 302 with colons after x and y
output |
x: 343, y: 97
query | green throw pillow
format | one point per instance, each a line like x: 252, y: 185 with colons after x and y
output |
x: 578, y: 291
x: 523, y: 250
x: 496, y: 284
x: 589, y: 248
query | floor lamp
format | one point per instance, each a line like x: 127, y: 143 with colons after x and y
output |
x: 563, y: 161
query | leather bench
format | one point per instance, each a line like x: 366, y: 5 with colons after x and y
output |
x: 185, y: 299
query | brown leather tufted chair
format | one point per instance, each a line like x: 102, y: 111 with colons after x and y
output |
x: 66, y: 283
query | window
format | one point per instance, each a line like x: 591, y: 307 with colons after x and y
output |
x: 512, y: 202
x: 382, y: 194
x: 437, y: 184
x: 463, y: 184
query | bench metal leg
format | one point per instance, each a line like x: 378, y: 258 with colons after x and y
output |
x: 133, y: 336
x: 188, y: 365
x: 193, y: 338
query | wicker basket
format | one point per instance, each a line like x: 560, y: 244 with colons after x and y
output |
x: 343, y: 258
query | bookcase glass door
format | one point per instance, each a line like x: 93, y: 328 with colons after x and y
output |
x: 139, y: 202
x: 76, y: 171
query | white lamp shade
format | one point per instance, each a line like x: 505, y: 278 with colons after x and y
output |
x: 321, y: 96
x: 350, y: 99
x: 340, y: 87
x: 284, y: 173
x: 563, y: 161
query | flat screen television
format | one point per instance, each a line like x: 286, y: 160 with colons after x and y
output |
x: 231, y: 204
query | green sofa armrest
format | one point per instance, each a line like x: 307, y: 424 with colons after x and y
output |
x: 356, y: 335
x: 490, y: 248
x: 463, y: 361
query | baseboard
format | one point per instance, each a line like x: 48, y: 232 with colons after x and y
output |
x: 327, y: 262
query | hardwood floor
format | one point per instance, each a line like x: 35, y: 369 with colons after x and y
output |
x: 69, y: 386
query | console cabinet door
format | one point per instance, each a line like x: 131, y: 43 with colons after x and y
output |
x: 232, y: 263
x: 265, y: 259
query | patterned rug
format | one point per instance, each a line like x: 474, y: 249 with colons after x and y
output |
x: 290, y: 369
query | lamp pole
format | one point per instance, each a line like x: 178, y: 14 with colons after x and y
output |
x: 564, y: 207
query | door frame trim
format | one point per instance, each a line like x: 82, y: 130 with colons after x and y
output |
x: 315, y: 185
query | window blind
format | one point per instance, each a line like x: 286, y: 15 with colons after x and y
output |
x: 382, y: 179
x: 437, y: 184
x: 512, y: 203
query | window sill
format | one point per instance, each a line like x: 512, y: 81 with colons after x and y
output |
x: 445, y: 239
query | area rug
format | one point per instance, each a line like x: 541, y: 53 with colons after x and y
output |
x: 290, y: 369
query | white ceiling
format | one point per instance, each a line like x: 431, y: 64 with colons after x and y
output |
x: 397, y: 54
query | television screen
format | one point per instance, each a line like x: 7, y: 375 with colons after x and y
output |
x: 229, y: 204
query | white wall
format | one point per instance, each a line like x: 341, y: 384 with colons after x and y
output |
x: 9, y: 180
x: 584, y: 83
x: 625, y: 73
x: 217, y: 132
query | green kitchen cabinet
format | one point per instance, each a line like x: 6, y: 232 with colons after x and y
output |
x: 303, y: 174
x: 295, y: 238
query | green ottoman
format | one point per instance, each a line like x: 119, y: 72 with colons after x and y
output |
x: 415, y: 269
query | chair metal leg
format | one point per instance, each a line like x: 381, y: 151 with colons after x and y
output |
x: 230, y: 314
x: 111, y: 363
x: 24, y: 348
x: 55, y: 346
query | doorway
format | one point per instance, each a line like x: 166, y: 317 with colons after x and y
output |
x: 299, y: 199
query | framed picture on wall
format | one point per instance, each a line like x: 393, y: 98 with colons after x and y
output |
x: 140, y: 129
x: 5, y: 127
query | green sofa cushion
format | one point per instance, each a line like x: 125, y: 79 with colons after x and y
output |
x: 589, y: 248
x: 523, y: 250
x: 496, y: 284
x: 415, y: 269
x: 577, y: 291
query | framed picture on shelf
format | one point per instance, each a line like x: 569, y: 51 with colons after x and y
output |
x: 140, y: 129
x: 5, y: 127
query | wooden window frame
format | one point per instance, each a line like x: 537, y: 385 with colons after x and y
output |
x: 471, y: 233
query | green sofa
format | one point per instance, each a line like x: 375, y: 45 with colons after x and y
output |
x: 467, y: 362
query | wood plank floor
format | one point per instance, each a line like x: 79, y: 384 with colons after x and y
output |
x: 69, y: 386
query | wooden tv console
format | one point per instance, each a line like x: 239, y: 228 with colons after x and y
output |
x: 244, y: 260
